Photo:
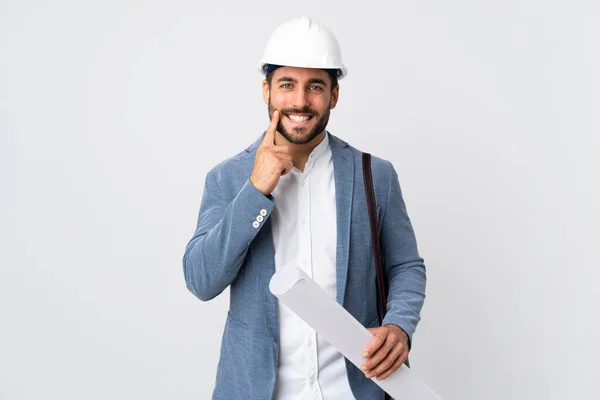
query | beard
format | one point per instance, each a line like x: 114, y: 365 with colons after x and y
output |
x: 298, y: 135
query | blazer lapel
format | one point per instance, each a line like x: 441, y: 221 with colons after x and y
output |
x: 343, y: 172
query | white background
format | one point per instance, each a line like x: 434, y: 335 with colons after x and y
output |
x: 112, y: 112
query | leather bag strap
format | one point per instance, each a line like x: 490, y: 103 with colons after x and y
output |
x: 381, y: 277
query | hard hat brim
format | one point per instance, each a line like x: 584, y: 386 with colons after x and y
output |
x: 343, y: 71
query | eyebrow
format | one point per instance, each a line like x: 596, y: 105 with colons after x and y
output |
x: 310, y: 81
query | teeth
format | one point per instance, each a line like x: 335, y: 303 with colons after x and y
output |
x: 299, y: 118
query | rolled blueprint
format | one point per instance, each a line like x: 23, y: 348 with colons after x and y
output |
x: 328, y: 318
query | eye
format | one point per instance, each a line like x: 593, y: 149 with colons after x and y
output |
x: 316, y: 88
x: 286, y: 86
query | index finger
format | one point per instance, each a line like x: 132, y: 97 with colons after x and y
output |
x: 269, y: 138
x: 374, y: 345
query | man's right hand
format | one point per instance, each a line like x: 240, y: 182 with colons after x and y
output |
x: 271, y: 162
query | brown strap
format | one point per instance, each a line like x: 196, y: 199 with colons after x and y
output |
x: 381, y: 277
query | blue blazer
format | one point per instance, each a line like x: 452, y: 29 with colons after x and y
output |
x: 227, y: 249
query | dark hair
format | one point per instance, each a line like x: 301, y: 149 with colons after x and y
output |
x: 333, y: 79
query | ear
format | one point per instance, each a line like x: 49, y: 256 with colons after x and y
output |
x: 334, y: 97
x: 266, y: 91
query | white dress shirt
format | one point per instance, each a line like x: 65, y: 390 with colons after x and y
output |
x: 304, y: 235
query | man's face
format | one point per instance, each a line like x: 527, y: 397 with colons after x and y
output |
x: 304, y: 98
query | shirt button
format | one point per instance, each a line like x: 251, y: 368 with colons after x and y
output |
x: 312, y: 380
x: 310, y: 342
x: 303, y: 221
x: 259, y: 218
x: 255, y: 224
x: 263, y: 212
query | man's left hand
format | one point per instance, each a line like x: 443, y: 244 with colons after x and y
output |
x: 386, y: 352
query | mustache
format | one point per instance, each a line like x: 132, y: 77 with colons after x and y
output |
x: 304, y: 110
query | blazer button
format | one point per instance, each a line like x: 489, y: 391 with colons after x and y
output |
x: 263, y: 212
x: 259, y: 218
x: 255, y: 224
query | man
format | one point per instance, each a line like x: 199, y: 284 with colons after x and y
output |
x: 296, y: 196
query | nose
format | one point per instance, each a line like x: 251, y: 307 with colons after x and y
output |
x: 300, y: 98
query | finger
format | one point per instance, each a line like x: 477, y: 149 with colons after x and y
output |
x: 280, y: 149
x: 379, y: 335
x: 287, y: 168
x: 269, y: 138
x: 394, y: 353
x: 391, y: 369
x: 282, y: 157
x: 381, y: 354
x: 282, y: 162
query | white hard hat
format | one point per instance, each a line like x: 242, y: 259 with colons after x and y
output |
x: 303, y: 42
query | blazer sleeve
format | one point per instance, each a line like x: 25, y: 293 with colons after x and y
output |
x: 405, y: 268
x: 224, y: 231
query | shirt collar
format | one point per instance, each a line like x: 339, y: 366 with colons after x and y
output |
x: 319, y: 149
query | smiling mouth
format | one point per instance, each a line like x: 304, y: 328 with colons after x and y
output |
x: 299, y: 119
